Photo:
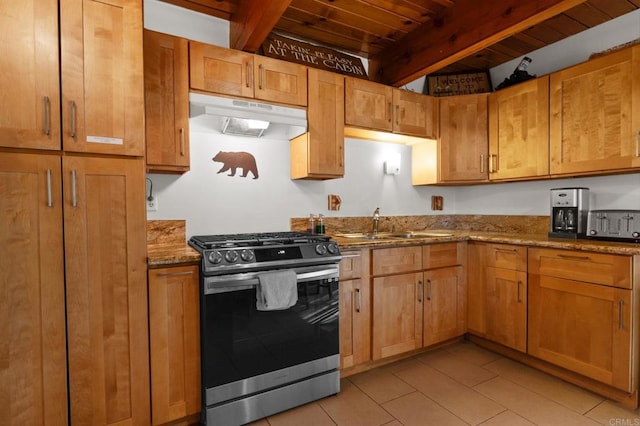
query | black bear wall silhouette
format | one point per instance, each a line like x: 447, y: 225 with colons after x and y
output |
x: 237, y: 160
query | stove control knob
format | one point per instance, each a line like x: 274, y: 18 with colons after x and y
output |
x: 231, y: 256
x: 215, y: 257
x: 593, y: 232
x: 636, y: 234
x: 333, y: 248
x: 321, y: 249
x: 247, y: 255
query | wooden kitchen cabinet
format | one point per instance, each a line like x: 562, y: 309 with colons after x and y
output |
x: 519, y: 131
x: 166, y: 86
x: 378, y: 107
x: 30, y: 86
x: 595, y: 115
x: 463, y: 143
x: 106, y: 292
x: 443, y: 299
x: 174, y: 338
x: 102, y: 77
x: 355, y: 308
x: 580, y: 318
x: 319, y: 153
x: 34, y: 367
x: 236, y: 73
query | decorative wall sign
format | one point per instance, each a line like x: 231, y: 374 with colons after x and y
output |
x: 287, y: 49
x: 237, y: 160
x: 459, y: 84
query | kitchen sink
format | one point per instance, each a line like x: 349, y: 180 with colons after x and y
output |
x: 393, y: 235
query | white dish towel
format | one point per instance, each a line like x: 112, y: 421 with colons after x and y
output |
x: 276, y: 290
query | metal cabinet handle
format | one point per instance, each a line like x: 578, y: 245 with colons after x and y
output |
x: 397, y: 114
x: 506, y: 250
x: 49, y: 197
x: 47, y: 116
x: 429, y: 289
x: 358, y: 300
x: 249, y: 75
x: 519, y: 297
x: 182, y: 146
x: 638, y: 143
x: 261, y: 69
x: 390, y: 111
x: 420, y: 291
x: 74, y: 195
x: 72, y: 119
x: 481, y: 163
x: 175, y: 274
x: 620, y: 314
x: 490, y: 163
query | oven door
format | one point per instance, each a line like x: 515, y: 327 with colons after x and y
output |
x: 245, y: 351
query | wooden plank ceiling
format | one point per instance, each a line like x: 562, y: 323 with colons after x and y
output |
x: 407, y: 39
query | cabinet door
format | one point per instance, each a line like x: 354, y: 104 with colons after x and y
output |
x: 506, y: 307
x: 102, y: 76
x: 443, y: 305
x: 595, y: 114
x: 30, y: 84
x: 397, y: 314
x: 519, y: 130
x: 166, y: 90
x: 582, y: 327
x: 368, y: 104
x: 463, y: 138
x: 219, y: 70
x: 174, y: 336
x: 319, y: 153
x: 280, y: 81
x: 106, y: 291
x: 355, y: 324
x: 34, y: 373
x: 414, y: 114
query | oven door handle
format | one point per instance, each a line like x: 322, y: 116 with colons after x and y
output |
x: 225, y: 284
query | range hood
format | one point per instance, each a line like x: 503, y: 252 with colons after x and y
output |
x: 242, y: 117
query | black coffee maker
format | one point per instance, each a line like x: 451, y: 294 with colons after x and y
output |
x: 569, y: 211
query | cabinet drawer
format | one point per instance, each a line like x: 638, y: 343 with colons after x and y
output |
x: 397, y: 260
x: 607, y: 269
x: 354, y: 264
x: 507, y: 256
x: 442, y: 254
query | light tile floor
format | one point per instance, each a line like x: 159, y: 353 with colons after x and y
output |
x: 460, y: 384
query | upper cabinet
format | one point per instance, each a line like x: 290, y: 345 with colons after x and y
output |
x: 102, y: 76
x: 30, y: 86
x: 379, y: 107
x: 519, y: 131
x: 166, y: 85
x: 236, y: 73
x: 319, y: 153
x: 595, y: 115
x: 463, y: 143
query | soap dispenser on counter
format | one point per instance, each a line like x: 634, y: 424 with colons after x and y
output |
x: 320, y: 224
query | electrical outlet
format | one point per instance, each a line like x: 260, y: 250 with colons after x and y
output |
x: 437, y: 202
x: 152, y: 205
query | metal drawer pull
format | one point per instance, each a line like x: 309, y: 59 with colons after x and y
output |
x: 72, y: 119
x: 620, y: 314
x: 519, y: 297
x: 47, y: 116
x: 175, y: 274
x: 420, y: 291
x: 567, y: 256
x: 182, y: 141
x: 503, y: 250
x: 358, y: 300
x: 429, y: 289
x: 49, y: 198
x: 74, y: 196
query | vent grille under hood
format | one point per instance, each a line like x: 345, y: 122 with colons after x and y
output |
x: 232, y: 116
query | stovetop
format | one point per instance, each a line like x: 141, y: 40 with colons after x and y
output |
x: 204, y: 242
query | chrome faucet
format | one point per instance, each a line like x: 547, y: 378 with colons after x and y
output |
x: 376, y: 219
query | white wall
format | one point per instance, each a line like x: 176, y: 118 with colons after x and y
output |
x: 216, y: 203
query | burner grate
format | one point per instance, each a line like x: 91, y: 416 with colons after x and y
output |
x: 254, y: 239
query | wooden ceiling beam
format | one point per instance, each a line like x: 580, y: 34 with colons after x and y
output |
x: 463, y: 29
x: 252, y: 22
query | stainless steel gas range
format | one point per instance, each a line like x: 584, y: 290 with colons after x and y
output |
x: 257, y: 362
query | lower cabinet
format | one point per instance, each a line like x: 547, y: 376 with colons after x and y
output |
x: 355, y: 308
x: 443, y: 299
x: 580, y: 314
x: 174, y: 336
